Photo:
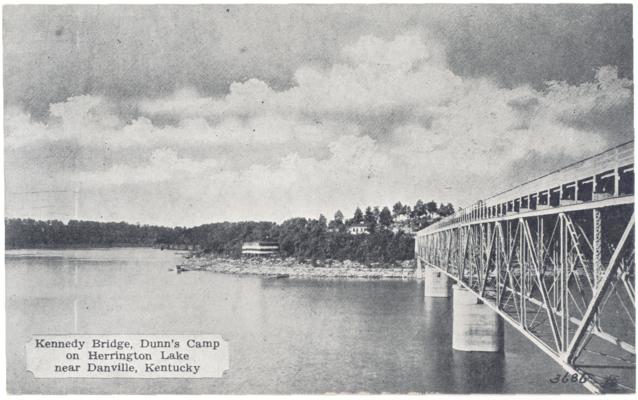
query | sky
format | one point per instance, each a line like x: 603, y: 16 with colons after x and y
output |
x: 184, y: 115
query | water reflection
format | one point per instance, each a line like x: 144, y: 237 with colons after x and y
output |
x: 479, y: 372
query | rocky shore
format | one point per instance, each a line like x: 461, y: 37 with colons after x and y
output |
x: 290, y: 268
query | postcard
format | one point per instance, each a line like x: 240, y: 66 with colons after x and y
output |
x: 319, y: 198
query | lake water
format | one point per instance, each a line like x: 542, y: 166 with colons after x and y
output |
x: 285, y: 335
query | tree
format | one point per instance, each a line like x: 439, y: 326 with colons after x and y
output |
x: 385, y: 217
x: 431, y: 206
x: 419, y: 208
x: 322, y: 221
x: 397, y: 209
x: 358, y: 216
x: 338, y: 217
x: 369, y: 219
x: 337, y: 223
x: 446, y: 210
x: 407, y: 211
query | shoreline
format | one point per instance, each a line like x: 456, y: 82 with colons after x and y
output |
x: 290, y: 268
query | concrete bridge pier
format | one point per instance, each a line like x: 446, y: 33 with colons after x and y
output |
x: 436, y: 283
x: 419, y: 268
x: 475, y: 327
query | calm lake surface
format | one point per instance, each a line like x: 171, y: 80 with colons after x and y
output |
x: 285, y: 335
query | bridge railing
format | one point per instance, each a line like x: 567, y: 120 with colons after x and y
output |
x: 604, y: 176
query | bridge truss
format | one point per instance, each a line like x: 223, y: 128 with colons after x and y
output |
x: 556, y: 262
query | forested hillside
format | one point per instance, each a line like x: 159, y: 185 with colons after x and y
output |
x: 389, y: 234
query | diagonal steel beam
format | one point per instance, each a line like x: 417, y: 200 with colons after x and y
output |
x: 543, y: 289
x: 590, y: 385
x: 601, y: 289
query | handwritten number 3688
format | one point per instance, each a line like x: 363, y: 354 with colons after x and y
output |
x: 574, y: 378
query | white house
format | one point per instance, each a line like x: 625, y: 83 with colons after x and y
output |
x: 358, y: 229
x: 260, y: 248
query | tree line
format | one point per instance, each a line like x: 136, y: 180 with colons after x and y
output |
x: 306, y: 239
x: 414, y: 218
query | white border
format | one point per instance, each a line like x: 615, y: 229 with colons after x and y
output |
x: 308, y: 397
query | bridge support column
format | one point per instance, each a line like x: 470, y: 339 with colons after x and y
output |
x: 475, y: 326
x: 435, y: 283
x: 419, y: 268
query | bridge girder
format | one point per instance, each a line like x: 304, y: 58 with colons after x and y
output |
x: 565, y: 279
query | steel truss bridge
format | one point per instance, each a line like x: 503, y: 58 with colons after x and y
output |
x: 555, y: 258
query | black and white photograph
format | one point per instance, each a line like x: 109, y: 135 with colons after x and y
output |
x: 265, y: 199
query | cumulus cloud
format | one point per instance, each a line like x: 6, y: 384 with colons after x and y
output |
x: 185, y: 102
x: 401, y: 53
x: 163, y: 165
x: 375, y: 76
x: 389, y: 121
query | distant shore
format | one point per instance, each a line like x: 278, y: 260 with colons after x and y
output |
x: 80, y: 247
x: 289, y: 267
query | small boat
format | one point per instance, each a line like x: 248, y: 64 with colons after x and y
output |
x: 282, y: 276
x: 180, y: 268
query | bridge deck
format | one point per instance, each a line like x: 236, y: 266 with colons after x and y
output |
x: 601, y: 177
